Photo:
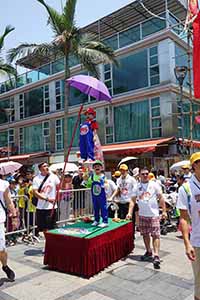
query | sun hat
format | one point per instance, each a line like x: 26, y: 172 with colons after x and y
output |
x: 123, y: 167
x: 194, y: 157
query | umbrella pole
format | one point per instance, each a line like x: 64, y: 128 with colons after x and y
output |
x: 66, y: 158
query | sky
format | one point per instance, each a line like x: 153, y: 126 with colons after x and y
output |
x: 30, y: 19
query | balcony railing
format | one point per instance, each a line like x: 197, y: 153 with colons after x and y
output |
x: 119, y: 40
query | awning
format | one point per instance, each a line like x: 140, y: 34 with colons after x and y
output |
x: 22, y: 157
x: 136, y: 147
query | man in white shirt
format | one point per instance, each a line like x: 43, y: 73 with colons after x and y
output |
x: 189, y: 205
x: 147, y: 194
x: 46, y: 197
x: 125, y: 187
x: 5, y: 201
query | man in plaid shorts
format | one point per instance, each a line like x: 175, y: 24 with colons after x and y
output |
x: 147, y: 194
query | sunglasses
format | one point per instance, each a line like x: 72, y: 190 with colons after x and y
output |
x: 144, y: 174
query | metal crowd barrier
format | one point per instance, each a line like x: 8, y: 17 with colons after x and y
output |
x: 73, y: 204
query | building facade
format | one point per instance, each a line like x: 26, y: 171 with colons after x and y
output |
x: 145, y: 95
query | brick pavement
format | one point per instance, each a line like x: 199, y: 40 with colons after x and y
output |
x: 127, y: 279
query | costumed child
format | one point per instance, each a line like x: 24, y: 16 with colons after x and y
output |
x: 90, y: 147
x: 97, y: 183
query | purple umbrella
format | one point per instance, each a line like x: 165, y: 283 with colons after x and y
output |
x: 91, y: 86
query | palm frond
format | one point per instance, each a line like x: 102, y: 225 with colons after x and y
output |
x: 7, y: 30
x: 7, y: 69
x: 55, y: 19
x: 28, y: 49
x: 69, y: 14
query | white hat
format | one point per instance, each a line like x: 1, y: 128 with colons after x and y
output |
x: 135, y: 172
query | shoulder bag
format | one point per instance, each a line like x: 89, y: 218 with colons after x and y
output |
x: 35, y: 199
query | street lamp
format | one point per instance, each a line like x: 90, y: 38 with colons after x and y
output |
x: 180, y: 73
x: 8, y: 112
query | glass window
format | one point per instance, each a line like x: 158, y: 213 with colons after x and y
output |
x: 156, y: 133
x: 44, y: 71
x: 4, y: 139
x: 33, y: 102
x: 153, y: 51
x: 151, y: 26
x: 155, y: 80
x: 181, y: 60
x: 21, y: 140
x: 77, y: 97
x: 129, y: 36
x: 33, y: 138
x: 132, y: 121
x: 46, y: 99
x: 132, y: 73
x: 59, y: 134
x: 58, y: 65
x: 155, y: 112
x: 6, y: 104
x: 59, y: 89
x: 32, y: 76
x: 46, y: 135
x: 155, y: 102
x: 21, y: 80
x: 112, y: 42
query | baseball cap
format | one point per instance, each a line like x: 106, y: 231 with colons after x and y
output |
x: 98, y: 162
x: 151, y: 176
x: 117, y: 174
x: 194, y: 157
x: 185, y: 167
x: 123, y: 167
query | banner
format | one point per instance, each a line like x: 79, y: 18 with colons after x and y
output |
x: 196, y: 56
x: 193, y: 10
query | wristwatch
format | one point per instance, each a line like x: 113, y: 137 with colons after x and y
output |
x: 47, y: 199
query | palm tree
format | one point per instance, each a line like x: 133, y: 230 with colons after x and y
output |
x: 68, y: 41
x: 6, y: 68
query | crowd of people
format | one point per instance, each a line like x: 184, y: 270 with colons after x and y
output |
x: 137, y: 195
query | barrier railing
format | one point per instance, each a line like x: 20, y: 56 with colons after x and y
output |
x: 73, y: 204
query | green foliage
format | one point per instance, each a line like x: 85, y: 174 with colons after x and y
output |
x: 4, y: 67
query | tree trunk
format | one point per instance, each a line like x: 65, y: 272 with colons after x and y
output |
x: 66, y: 105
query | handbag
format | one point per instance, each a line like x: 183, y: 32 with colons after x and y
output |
x: 34, y: 198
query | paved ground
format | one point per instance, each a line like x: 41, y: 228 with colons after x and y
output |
x: 126, y: 279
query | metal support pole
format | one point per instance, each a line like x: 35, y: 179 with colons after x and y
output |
x: 182, y: 119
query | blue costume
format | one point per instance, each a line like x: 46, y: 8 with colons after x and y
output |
x: 86, y: 141
x: 99, y: 199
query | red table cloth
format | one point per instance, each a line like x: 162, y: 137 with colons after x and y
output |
x: 87, y: 256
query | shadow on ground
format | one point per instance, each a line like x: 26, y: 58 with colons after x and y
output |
x: 34, y: 252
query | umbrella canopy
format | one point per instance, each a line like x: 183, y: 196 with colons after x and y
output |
x: 9, y: 167
x: 126, y: 159
x: 177, y: 166
x: 70, y: 167
x: 91, y: 86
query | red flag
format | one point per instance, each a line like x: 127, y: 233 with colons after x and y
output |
x: 197, y: 120
x: 196, y: 56
x: 193, y: 10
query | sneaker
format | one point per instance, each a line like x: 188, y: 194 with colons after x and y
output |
x: 103, y: 225
x: 147, y: 256
x: 95, y: 223
x: 10, y: 273
x: 156, y: 262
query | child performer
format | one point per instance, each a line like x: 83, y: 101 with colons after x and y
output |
x: 90, y: 147
x: 97, y: 181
